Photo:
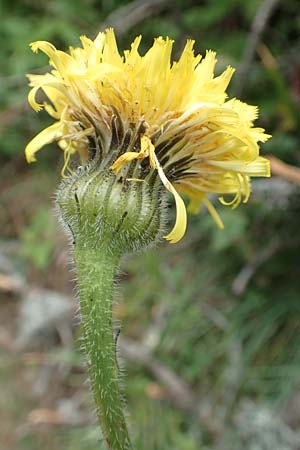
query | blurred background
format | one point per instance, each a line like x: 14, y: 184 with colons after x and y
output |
x: 210, y: 327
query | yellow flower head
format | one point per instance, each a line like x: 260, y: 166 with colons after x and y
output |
x: 185, y: 128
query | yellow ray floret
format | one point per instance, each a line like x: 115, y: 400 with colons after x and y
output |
x: 180, y: 225
x: 44, y: 137
x: 192, y: 134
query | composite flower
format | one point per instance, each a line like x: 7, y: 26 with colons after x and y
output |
x: 182, y: 125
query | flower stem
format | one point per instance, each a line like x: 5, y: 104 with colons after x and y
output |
x: 106, y: 216
x: 96, y: 272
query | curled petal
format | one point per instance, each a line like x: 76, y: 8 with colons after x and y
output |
x: 147, y: 149
x: 46, y: 136
x: 58, y: 59
x: 52, y: 87
x: 45, y: 46
x: 32, y: 101
x: 124, y: 159
x: 179, y: 228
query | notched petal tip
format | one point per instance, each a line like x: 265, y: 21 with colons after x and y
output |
x: 34, y: 46
x: 40, y: 45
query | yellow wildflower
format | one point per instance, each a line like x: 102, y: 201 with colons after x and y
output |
x: 198, y: 141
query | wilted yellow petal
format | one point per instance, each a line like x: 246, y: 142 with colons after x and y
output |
x: 46, y: 136
x: 179, y: 228
x: 148, y: 149
x: 124, y: 159
x: 32, y: 101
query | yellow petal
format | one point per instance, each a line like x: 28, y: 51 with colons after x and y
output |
x: 57, y: 57
x: 132, y: 56
x: 93, y: 73
x: 194, y: 205
x: 213, y: 212
x: 49, y: 84
x: 110, y: 51
x: 124, y: 159
x: 260, y: 167
x: 67, y: 155
x: 32, y: 101
x: 147, y: 148
x: 179, y: 228
x: 42, y: 45
x: 204, y: 71
x: 46, y: 136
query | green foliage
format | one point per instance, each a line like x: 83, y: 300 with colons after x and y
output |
x: 38, y: 238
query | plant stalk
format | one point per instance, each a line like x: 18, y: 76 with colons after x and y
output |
x: 106, y: 217
x: 96, y: 271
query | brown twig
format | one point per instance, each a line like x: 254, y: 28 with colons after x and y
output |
x: 284, y: 170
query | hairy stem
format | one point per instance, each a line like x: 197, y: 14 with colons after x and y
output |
x: 107, y: 216
x: 96, y: 272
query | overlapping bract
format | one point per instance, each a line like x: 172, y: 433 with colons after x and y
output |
x: 180, y: 102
